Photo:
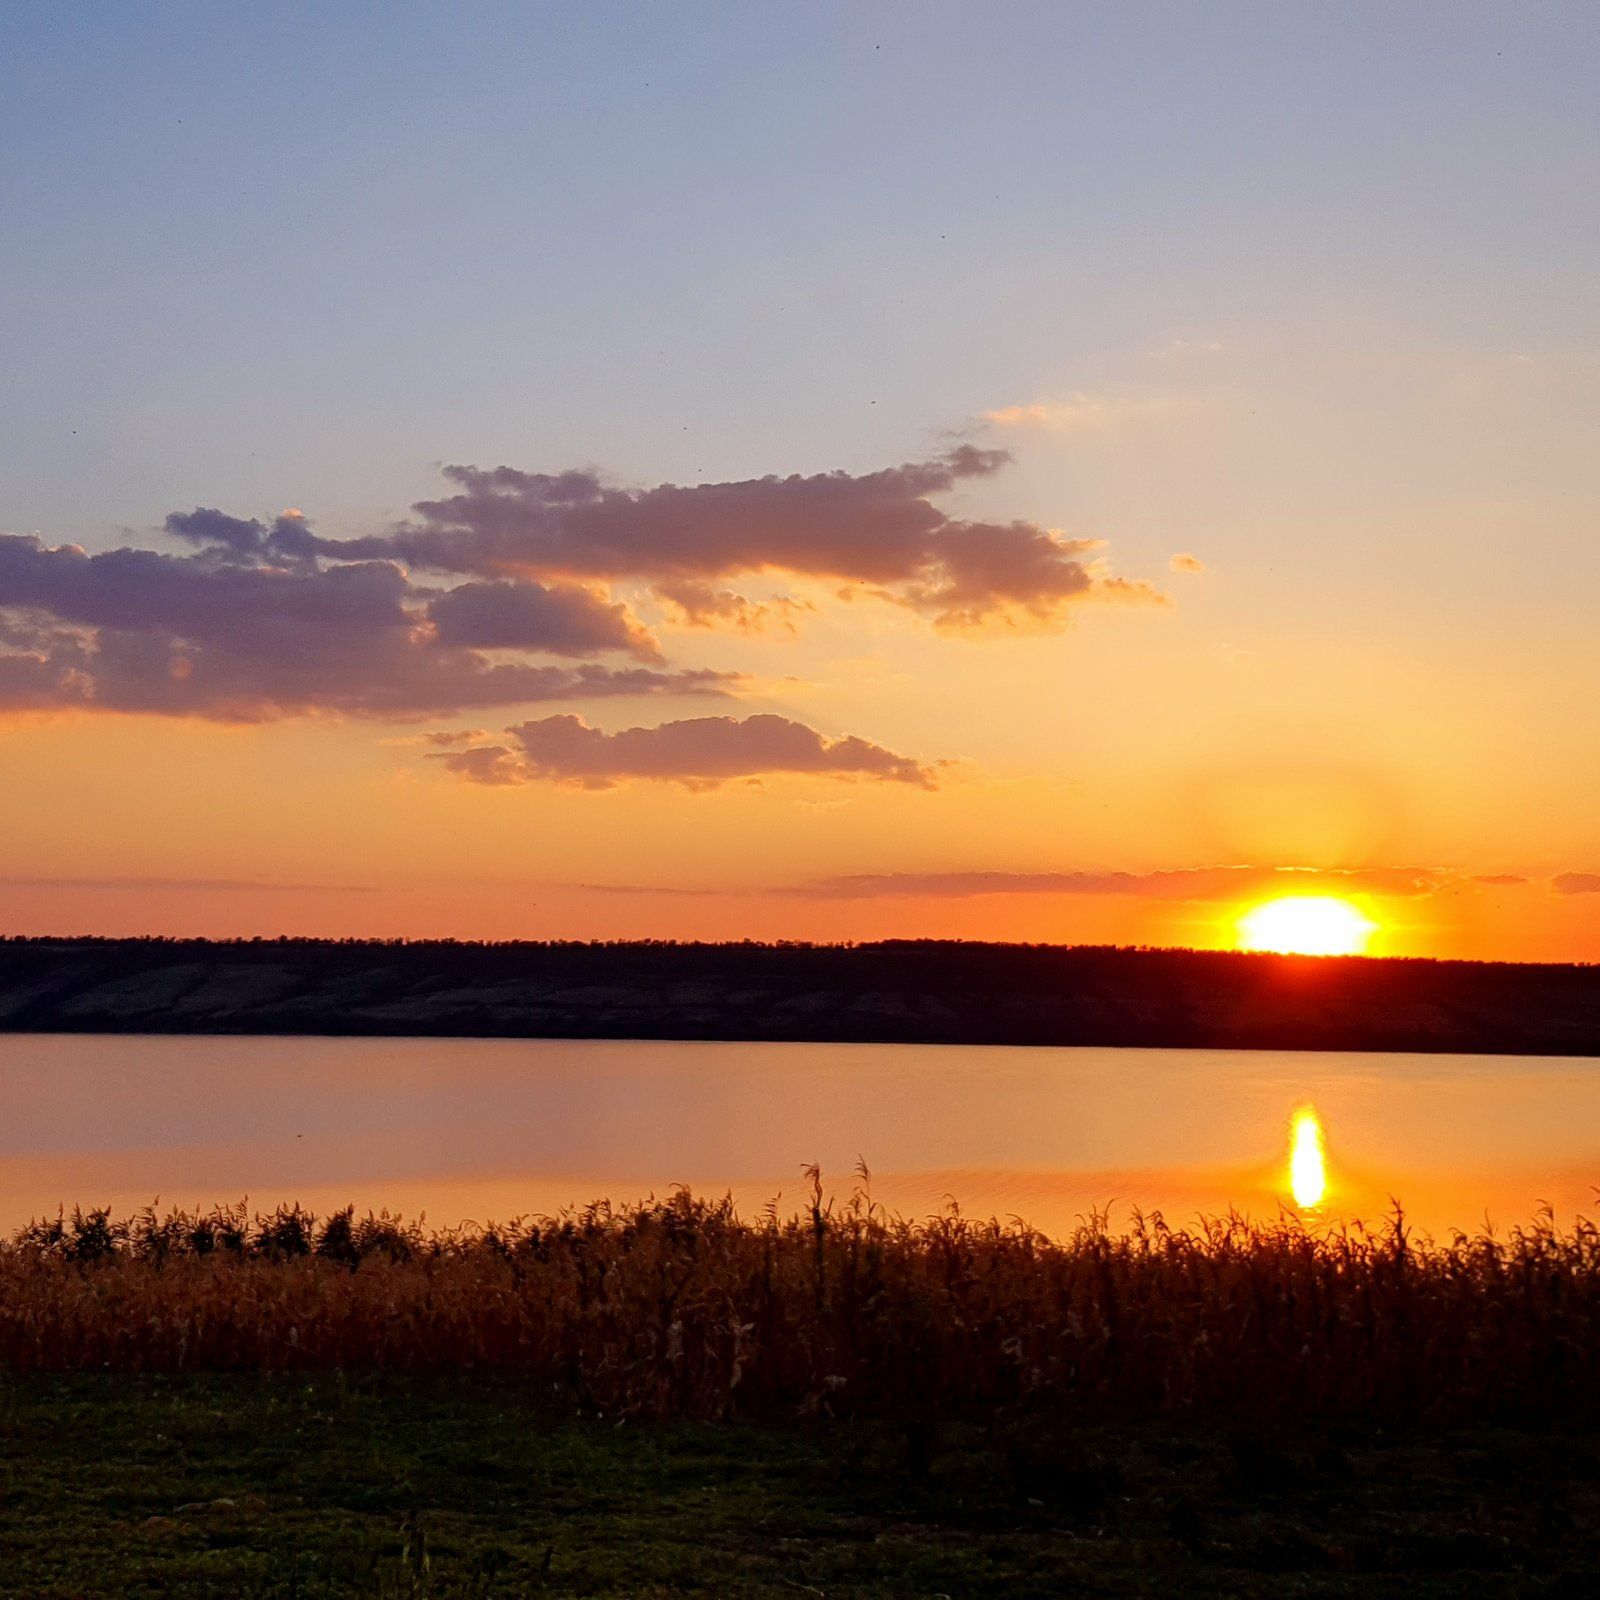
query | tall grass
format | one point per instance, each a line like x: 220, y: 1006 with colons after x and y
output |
x: 680, y: 1307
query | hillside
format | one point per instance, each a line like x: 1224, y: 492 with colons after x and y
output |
x: 914, y: 991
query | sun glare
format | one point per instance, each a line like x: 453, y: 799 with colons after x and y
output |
x: 1306, y: 925
x: 1308, y: 1160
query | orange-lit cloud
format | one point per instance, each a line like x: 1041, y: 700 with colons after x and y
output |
x: 696, y: 603
x: 1079, y: 413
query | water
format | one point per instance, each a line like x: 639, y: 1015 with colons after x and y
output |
x: 479, y: 1128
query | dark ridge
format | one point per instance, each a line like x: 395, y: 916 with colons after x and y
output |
x: 900, y: 991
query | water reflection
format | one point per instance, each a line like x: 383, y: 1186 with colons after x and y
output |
x: 478, y: 1128
x: 1308, y: 1160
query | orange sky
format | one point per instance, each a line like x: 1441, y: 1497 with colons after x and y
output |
x: 1027, y: 483
x: 1095, y: 766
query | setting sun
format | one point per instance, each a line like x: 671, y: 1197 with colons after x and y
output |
x: 1306, y: 925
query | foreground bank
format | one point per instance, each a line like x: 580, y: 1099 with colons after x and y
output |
x: 237, y: 1486
x: 668, y: 1400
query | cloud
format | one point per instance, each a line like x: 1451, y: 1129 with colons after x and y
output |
x: 1576, y: 883
x: 698, y: 604
x: 879, y: 529
x: 1200, y: 884
x: 1184, y: 562
x: 287, y: 538
x: 252, y: 619
x: 1078, y: 413
x: 162, y: 885
x: 1183, y: 883
x: 224, y: 634
x: 1499, y: 879
x: 565, y: 620
x: 700, y: 752
x: 440, y: 739
x: 487, y: 764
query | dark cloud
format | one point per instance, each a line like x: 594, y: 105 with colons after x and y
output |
x: 287, y: 538
x: 700, y: 752
x: 488, y: 764
x: 1184, y: 883
x: 224, y: 633
x: 1576, y: 883
x: 565, y: 620
x: 878, y: 529
x: 207, y: 526
x: 1499, y: 880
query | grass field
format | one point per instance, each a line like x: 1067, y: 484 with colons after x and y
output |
x: 293, y: 1486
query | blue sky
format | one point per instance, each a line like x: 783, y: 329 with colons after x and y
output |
x: 270, y: 254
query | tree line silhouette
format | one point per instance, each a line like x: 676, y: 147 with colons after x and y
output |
x: 922, y: 991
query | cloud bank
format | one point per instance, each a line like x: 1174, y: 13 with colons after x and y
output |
x: 699, y: 753
x: 223, y: 634
x: 880, y: 530
x: 254, y: 619
x: 1198, y: 884
x: 1181, y: 883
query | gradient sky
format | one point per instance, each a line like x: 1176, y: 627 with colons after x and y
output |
x: 1190, y: 412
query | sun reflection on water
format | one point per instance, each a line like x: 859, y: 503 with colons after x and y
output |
x: 1308, y: 1159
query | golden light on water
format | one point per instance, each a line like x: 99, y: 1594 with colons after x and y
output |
x: 1308, y: 1159
x: 1306, y: 925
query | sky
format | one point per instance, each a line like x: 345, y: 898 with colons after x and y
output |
x: 1046, y: 472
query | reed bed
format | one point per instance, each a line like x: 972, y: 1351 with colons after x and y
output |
x: 681, y: 1308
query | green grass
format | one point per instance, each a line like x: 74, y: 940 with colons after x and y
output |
x: 289, y: 1486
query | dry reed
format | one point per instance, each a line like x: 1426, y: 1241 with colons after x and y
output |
x: 681, y: 1308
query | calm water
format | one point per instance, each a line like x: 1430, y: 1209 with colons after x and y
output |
x: 481, y: 1128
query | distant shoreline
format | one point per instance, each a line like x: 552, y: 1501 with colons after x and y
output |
x: 892, y: 992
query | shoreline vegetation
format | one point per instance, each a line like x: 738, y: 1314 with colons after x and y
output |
x: 682, y: 1309
x: 668, y: 1400
x: 912, y: 991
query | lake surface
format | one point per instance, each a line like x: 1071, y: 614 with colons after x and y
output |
x: 480, y: 1128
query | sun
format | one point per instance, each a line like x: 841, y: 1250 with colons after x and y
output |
x: 1306, y: 925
